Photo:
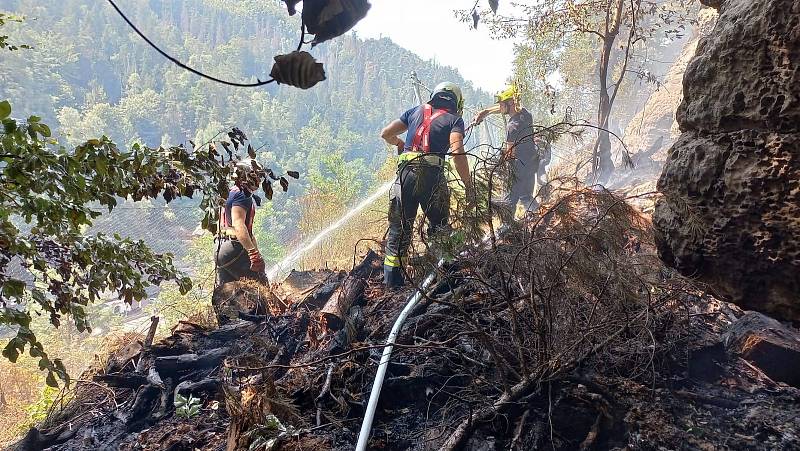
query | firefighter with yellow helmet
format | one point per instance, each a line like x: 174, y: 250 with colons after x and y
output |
x: 521, y: 149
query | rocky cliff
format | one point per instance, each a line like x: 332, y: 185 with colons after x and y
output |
x: 653, y: 130
x: 730, y: 212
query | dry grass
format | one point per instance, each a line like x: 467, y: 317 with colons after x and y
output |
x: 20, y: 386
x: 25, y: 399
x: 336, y: 251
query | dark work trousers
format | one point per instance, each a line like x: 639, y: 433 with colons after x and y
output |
x: 522, y: 179
x: 233, y: 263
x: 417, y: 185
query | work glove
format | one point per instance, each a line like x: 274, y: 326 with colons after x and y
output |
x: 256, y: 262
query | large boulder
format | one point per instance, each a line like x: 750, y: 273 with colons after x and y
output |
x: 730, y: 211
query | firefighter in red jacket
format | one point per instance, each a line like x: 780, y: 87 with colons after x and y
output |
x: 434, y: 129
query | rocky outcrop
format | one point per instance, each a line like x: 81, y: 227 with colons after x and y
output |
x: 730, y: 212
x: 653, y: 129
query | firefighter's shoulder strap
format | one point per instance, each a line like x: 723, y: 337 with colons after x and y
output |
x: 422, y: 141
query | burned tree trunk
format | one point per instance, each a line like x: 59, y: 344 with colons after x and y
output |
x: 248, y: 297
x: 190, y: 362
x: 335, y: 310
x: 350, y: 292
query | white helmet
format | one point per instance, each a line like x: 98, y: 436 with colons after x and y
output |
x: 248, y: 171
x: 449, y: 91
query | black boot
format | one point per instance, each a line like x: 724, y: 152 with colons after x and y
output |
x: 393, y: 276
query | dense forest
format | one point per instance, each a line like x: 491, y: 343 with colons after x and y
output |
x: 89, y: 74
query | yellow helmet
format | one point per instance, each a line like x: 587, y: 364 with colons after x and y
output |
x: 510, y: 93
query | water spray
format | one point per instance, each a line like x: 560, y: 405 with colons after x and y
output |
x: 292, y: 258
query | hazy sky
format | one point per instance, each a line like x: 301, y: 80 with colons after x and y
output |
x: 430, y: 29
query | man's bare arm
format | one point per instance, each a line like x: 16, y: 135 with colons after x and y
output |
x: 460, y: 159
x: 239, y: 218
x: 390, y: 134
x: 494, y: 109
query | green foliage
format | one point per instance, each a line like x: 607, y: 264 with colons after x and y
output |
x: 5, y: 109
x: 266, y: 225
x: 552, y: 75
x: 560, y: 52
x: 267, y: 435
x: 4, y: 44
x: 187, y: 408
x: 49, y: 195
x: 172, y: 306
x: 37, y: 411
x: 338, y: 178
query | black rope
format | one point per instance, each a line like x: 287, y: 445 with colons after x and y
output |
x: 302, y: 36
x: 180, y: 64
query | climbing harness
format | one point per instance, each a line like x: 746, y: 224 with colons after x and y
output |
x: 420, y: 152
x: 421, y: 142
x: 419, y: 157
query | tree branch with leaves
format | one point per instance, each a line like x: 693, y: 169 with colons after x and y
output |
x: 619, y: 28
x: 50, y: 196
x: 4, y: 44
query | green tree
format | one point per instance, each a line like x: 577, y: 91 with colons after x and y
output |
x: 50, y: 195
x: 266, y: 228
x: 620, y: 30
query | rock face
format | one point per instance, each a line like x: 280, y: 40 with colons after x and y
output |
x: 653, y: 129
x: 730, y: 212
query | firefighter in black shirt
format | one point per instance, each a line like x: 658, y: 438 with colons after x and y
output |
x: 521, y: 148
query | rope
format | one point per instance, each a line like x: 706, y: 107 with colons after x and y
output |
x: 182, y: 65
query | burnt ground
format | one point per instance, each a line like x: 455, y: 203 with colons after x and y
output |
x: 566, y: 333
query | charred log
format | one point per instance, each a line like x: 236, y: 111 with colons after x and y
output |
x: 190, y: 362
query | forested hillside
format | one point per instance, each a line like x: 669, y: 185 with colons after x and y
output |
x: 89, y: 74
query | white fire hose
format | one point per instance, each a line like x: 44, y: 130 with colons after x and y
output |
x: 372, y: 405
x: 369, y: 415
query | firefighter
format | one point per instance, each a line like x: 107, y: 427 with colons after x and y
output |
x: 520, y: 149
x: 433, y: 129
x: 237, y: 251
